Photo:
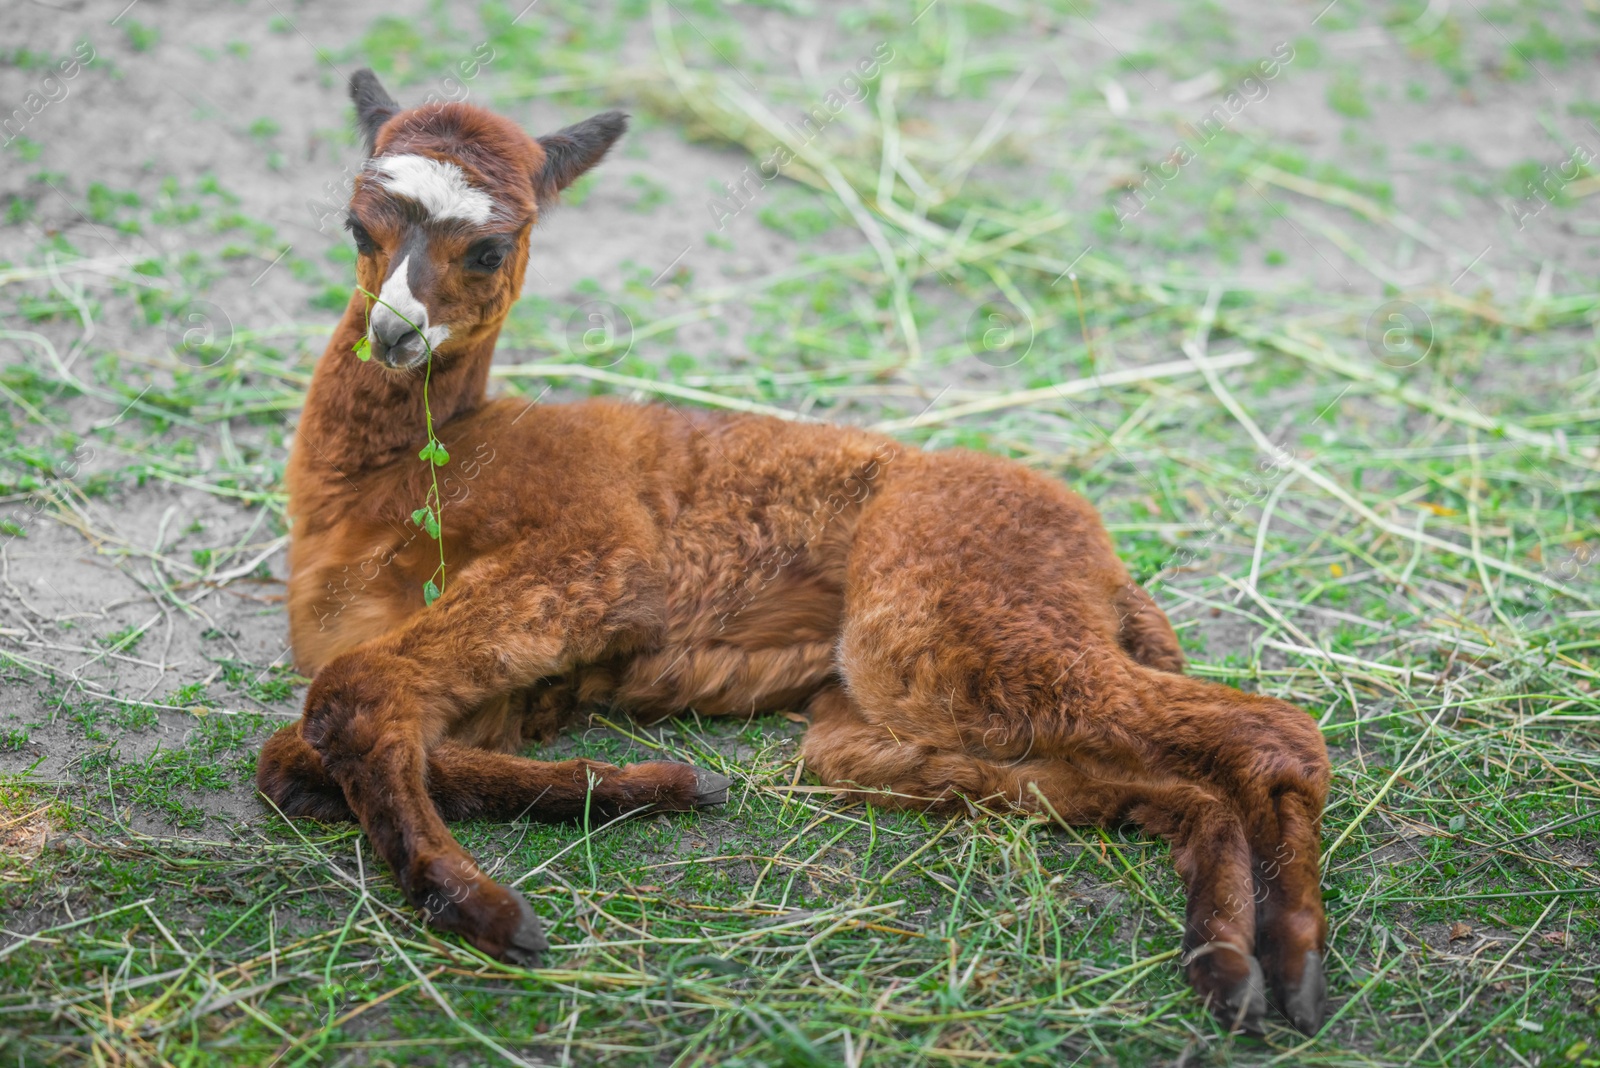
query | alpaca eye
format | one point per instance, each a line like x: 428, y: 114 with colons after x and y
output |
x: 486, y: 256
x: 364, y: 243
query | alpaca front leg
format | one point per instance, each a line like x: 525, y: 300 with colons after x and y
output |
x: 372, y: 735
x: 468, y: 783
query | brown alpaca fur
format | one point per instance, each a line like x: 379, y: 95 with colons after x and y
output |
x: 958, y: 628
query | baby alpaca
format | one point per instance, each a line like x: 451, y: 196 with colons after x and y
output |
x: 957, y: 627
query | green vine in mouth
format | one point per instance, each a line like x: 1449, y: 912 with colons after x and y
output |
x: 430, y: 517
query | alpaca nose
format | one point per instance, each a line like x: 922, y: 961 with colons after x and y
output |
x: 396, y: 343
x: 398, y: 324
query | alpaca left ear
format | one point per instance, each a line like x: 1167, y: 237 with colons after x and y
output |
x: 374, y: 106
x: 574, y: 149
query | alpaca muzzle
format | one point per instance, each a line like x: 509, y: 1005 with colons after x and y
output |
x: 396, y: 343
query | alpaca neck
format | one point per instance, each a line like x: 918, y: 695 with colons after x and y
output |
x: 360, y: 415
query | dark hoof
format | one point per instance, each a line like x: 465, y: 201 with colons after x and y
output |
x: 710, y: 788
x: 1307, y: 1002
x: 528, y: 942
x: 1244, y: 1006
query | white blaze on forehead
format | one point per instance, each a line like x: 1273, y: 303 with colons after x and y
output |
x: 399, y: 310
x: 440, y: 188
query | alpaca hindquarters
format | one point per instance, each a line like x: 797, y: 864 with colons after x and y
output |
x: 994, y: 650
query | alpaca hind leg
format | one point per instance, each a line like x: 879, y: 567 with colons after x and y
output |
x: 1212, y: 858
x: 1144, y: 632
x: 1291, y: 935
x: 870, y: 761
x: 1279, y: 783
x: 1268, y: 758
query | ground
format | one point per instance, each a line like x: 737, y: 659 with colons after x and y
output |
x: 1302, y: 295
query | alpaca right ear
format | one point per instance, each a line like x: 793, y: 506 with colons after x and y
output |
x: 374, y: 106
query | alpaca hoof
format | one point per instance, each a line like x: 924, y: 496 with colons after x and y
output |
x: 710, y: 788
x: 1244, y: 1006
x: 528, y: 942
x: 1307, y: 1001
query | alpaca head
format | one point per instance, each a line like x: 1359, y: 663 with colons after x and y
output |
x: 442, y: 212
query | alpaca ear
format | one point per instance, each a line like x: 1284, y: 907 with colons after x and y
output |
x: 374, y: 106
x: 574, y: 149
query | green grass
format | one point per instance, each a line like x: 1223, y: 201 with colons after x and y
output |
x: 1422, y: 574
